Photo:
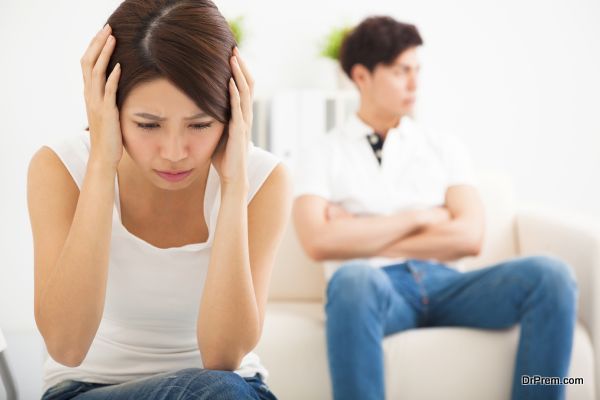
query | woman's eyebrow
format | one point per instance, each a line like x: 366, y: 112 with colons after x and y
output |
x: 157, y: 118
x: 149, y: 116
x: 199, y: 115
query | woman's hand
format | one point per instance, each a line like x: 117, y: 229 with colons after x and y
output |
x: 100, y: 99
x: 231, y: 154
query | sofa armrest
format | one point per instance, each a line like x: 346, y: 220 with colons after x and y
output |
x: 575, y: 241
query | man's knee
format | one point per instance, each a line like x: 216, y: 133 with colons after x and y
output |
x: 354, y: 282
x: 555, y: 277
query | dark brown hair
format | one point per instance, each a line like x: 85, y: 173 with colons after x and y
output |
x: 188, y: 42
x: 377, y: 40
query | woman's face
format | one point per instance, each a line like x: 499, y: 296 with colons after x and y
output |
x: 165, y: 131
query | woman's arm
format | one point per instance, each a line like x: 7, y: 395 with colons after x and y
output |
x: 71, y: 237
x: 71, y: 230
x: 245, y: 243
x: 236, y: 288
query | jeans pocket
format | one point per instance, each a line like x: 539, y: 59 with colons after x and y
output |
x: 64, y: 390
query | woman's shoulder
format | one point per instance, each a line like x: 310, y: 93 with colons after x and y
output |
x: 261, y: 163
x: 46, y: 166
x: 259, y: 156
x: 73, y: 151
x: 78, y: 143
x: 269, y: 198
x: 52, y: 193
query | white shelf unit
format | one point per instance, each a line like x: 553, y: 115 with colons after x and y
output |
x: 290, y: 120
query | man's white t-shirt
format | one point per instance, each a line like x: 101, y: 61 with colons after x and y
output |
x: 417, y: 168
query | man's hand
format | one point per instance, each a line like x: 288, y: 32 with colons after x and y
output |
x: 329, y: 232
x: 456, y: 230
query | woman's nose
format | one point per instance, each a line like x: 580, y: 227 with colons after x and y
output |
x: 174, y: 148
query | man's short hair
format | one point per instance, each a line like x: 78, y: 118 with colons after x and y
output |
x: 377, y: 40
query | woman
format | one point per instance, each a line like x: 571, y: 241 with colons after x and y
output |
x: 155, y: 233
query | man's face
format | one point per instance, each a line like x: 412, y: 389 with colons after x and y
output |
x: 164, y: 130
x: 392, y: 88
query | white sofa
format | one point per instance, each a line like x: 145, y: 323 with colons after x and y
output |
x: 461, y: 363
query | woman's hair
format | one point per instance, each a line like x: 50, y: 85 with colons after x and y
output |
x: 187, y: 42
x: 377, y: 40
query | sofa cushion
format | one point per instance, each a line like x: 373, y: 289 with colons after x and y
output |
x: 424, y: 363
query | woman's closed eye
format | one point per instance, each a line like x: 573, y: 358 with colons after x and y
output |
x: 147, y: 126
x: 201, y: 126
x: 154, y: 125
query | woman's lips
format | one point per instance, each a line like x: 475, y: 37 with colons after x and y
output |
x: 174, y: 177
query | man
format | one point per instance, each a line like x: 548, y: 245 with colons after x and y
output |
x: 389, y: 206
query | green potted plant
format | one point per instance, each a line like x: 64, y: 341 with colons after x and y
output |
x: 330, y: 49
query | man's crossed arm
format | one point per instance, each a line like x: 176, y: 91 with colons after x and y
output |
x: 327, y: 231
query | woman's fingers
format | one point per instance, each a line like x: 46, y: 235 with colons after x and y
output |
x: 244, y: 90
x: 245, y: 70
x: 237, y: 116
x: 236, y: 107
x: 91, y: 55
x: 99, y: 70
x: 112, y: 83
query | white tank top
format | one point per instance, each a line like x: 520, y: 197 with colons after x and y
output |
x: 152, y: 294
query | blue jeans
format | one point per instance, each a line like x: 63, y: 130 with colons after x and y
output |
x: 365, y: 304
x: 185, y: 384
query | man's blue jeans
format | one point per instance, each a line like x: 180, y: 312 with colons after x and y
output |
x: 364, y: 304
x: 185, y: 384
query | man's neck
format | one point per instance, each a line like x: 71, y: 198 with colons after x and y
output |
x: 380, y: 122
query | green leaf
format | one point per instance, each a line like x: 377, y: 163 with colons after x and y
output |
x: 237, y: 28
x: 332, y: 43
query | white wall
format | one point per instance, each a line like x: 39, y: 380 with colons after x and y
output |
x: 519, y: 81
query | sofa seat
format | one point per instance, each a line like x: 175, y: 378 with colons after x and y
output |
x: 417, y: 361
